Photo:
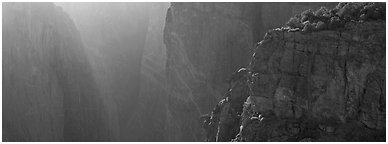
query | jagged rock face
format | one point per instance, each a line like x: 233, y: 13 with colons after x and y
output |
x: 49, y: 94
x: 321, y: 86
x: 205, y: 43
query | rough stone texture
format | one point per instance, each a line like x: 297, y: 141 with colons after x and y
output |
x: 320, y: 86
x: 48, y: 92
x: 205, y: 43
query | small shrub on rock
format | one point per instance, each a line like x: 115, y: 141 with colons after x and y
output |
x: 325, y: 19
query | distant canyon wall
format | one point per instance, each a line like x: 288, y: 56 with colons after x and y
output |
x: 125, y: 46
x: 76, y: 72
x: 49, y: 93
x: 149, y: 120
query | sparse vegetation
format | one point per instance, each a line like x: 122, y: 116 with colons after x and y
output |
x: 325, y: 19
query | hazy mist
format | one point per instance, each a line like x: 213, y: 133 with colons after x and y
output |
x: 193, y: 71
x: 124, y: 54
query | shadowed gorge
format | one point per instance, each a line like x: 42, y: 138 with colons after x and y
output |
x: 214, y: 72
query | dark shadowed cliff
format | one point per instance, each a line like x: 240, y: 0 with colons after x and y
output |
x: 320, y: 79
x: 322, y: 83
x: 206, y: 43
x: 322, y: 86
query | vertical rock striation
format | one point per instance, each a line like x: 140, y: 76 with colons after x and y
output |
x: 322, y: 83
x: 124, y: 43
x: 49, y: 93
x: 205, y: 43
x: 150, y: 115
x: 330, y: 81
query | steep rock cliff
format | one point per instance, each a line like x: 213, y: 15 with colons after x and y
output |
x: 205, y: 43
x: 48, y: 92
x: 321, y: 86
x: 323, y: 83
x: 334, y: 79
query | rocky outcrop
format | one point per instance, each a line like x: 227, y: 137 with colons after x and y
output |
x: 336, y: 83
x: 48, y: 92
x: 316, y: 84
x: 205, y: 43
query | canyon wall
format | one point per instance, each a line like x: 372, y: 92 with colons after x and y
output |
x: 125, y: 46
x: 206, y: 43
x: 322, y: 86
x: 49, y: 93
x: 323, y: 83
x: 150, y: 115
x: 322, y: 78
